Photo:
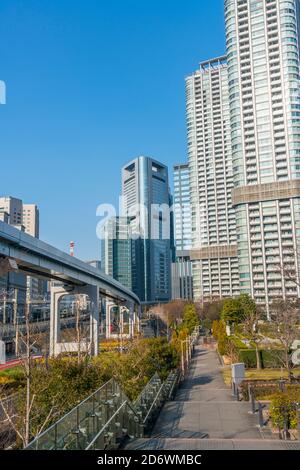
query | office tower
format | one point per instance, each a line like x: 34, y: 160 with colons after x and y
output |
x: 182, y: 208
x: 263, y: 73
x: 146, y: 200
x: 116, y: 250
x: 30, y: 219
x: 214, y: 249
x: 13, y: 207
x: 24, y: 217
x: 182, y: 281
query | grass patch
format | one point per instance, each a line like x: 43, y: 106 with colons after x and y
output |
x: 264, y: 374
x: 14, y: 372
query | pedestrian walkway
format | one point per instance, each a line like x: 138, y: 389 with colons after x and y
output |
x: 204, y: 415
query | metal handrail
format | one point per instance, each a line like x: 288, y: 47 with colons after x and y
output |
x: 106, y: 425
x: 98, y: 407
x: 153, y: 403
x: 72, y: 411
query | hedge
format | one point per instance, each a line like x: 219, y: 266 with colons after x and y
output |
x: 266, y: 388
x: 283, y: 408
x: 269, y: 359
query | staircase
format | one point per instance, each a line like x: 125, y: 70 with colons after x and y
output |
x: 205, y: 416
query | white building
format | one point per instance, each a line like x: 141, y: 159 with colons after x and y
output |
x: 214, y: 248
x: 31, y: 220
x: 263, y: 74
x: 24, y: 217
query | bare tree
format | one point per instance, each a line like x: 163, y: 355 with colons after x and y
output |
x: 78, y: 335
x: 251, y: 317
x: 22, y: 424
x: 285, y: 320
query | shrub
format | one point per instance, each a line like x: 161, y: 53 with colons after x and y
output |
x: 248, y: 356
x: 11, y: 379
x: 269, y: 359
x: 264, y: 389
x: 283, y: 409
x: 272, y: 359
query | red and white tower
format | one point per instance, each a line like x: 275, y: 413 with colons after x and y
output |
x: 72, y: 244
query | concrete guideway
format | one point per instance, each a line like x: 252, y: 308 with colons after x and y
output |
x: 27, y: 255
x: 205, y: 416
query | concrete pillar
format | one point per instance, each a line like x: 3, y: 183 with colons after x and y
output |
x: 57, y: 292
x: 130, y: 306
x: 109, y: 306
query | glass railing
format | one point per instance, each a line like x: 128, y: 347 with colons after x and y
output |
x: 107, y: 417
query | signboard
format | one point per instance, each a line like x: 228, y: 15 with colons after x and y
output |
x: 238, y: 373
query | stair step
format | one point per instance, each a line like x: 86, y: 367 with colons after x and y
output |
x: 211, y: 444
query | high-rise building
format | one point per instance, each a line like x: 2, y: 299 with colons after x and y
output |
x: 116, y: 250
x: 30, y: 219
x: 25, y: 217
x: 182, y: 208
x: 214, y: 244
x: 13, y: 207
x: 263, y: 75
x: 146, y: 200
x: 182, y: 281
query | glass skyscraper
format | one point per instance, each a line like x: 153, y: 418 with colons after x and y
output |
x: 263, y: 75
x: 116, y: 250
x: 182, y: 208
x: 182, y: 280
x: 214, y: 243
x: 146, y: 200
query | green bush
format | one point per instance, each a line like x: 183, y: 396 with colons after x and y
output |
x: 61, y: 385
x: 264, y: 389
x: 269, y: 359
x: 272, y: 359
x: 248, y: 356
x: 283, y: 408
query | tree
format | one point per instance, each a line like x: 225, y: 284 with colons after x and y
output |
x: 21, y: 422
x: 251, y: 316
x: 285, y: 320
x: 190, y: 318
x: 232, y: 311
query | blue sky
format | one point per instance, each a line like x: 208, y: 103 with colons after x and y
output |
x: 90, y: 85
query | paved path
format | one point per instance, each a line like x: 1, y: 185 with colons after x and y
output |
x: 203, y: 407
x: 204, y: 415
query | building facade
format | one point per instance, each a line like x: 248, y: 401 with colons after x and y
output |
x: 182, y: 208
x: 263, y: 74
x: 182, y: 279
x: 146, y: 200
x: 116, y: 250
x: 24, y: 217
x: 31, y: 219
x: 214, y: 239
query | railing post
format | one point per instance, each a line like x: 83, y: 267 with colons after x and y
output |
x: 260, y: 415
x: 253, y: 404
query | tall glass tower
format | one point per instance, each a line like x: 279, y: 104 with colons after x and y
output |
x: 182, y: 208
x: 146, y: 200
x: 263, y: 73
x: 182, y: 279
x: 214, y: 249
x: 116, y: 250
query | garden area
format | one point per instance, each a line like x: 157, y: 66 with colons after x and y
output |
x: 46, y: 389
x: 270, y: 352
